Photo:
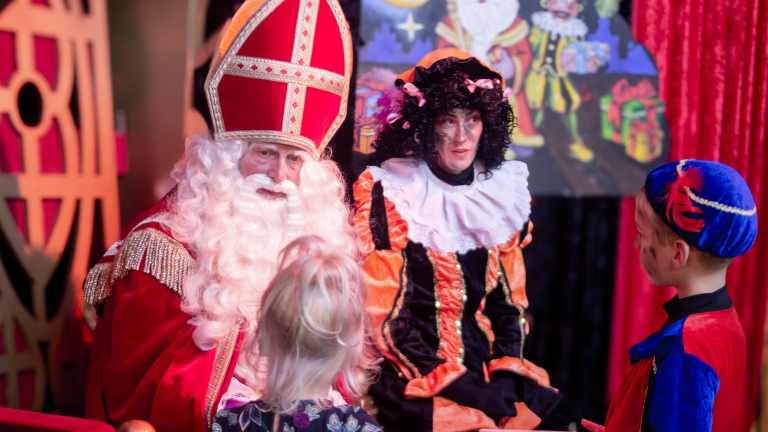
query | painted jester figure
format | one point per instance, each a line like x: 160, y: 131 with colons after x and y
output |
x: 177, y: 297
x: 443, y: 220
x: 548, y: 85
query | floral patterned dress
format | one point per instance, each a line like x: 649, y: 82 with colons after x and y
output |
x: 259, y: 417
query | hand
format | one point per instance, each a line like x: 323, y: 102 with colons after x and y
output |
x: 495, y: 400
x: 502, y: 62
x: 494, y: 55
x: 591, y: 426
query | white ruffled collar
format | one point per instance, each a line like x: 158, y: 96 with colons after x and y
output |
x: 449, y: 218
x: 572, y: 27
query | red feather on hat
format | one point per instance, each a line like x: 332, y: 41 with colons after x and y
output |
x: 678, y: 201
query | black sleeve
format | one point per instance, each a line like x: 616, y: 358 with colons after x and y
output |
x: 378, y: 218
x: 408, y: 337
x: 505, y: 322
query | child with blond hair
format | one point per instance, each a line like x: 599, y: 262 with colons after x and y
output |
x: 693, y: 217
x: 311, y: 335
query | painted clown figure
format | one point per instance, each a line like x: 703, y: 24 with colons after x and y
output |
x: 443, y: 219
x: 547, y: 85
x: 177, y: 296
x: 494, y: 32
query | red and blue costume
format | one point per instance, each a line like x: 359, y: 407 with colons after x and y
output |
x: 676, y: 372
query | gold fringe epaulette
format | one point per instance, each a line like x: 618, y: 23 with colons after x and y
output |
x: 98, y: 285
x: 164, y: 258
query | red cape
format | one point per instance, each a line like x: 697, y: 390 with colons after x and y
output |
x: 144, y: 363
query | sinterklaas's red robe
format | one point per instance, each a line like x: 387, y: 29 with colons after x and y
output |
x: 144, y: 364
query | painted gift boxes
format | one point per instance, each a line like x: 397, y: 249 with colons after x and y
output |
x: 633, y: 117
x: 584, y: 57
x: 366, y: 119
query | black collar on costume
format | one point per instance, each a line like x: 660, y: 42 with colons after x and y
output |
x: 678, y: 308
x: 465, y: 177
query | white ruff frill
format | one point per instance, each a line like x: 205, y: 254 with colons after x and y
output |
x: 574, y: 27
x: 449, y: 218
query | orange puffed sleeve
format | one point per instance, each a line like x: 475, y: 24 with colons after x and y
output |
x: 384, y: 270
x: 396, y: 226
x: 511, y: 257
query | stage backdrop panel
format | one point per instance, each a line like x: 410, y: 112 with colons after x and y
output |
x: 58, y: 194
x: 585, y: 94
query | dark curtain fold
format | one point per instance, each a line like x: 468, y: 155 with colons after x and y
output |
x: 343, y: 141
x: 570, y: 266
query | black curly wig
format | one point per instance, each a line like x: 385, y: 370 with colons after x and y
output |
x: 443, y: 86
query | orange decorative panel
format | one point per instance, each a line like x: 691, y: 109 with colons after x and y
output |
x: 58, y: 193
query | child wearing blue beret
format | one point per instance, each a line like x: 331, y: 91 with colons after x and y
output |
x: 693, y: 217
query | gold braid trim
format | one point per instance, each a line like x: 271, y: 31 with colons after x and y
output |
x: 395, y: 313
x: 713, y: 204
x: 222, y: 359
x: 512, y: 37
x: 164, y: 258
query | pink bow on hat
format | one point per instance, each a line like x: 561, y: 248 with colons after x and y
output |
x: 414, y: 91
x: 482, y: 83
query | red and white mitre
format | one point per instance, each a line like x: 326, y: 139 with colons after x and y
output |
x: 282, y: 74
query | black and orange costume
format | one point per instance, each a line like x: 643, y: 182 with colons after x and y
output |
x: 444, y: 264
x: 450, y: 323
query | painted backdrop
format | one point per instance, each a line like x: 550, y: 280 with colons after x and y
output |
x: 585, y: 94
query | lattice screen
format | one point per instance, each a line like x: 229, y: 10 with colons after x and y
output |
x: 58, y: 193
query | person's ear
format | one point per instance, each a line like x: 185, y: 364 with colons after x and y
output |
x: 682, y: 252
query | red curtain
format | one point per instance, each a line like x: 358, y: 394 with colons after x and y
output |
x: 713, y: 72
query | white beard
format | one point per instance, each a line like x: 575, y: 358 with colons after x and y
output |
x: 266, y: 225
x: 485, y: 21
x: 260, y: 228
x: 244, y: 243
x: 238, y: 233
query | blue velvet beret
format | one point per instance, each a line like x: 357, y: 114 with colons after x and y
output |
x: 706, y: 203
